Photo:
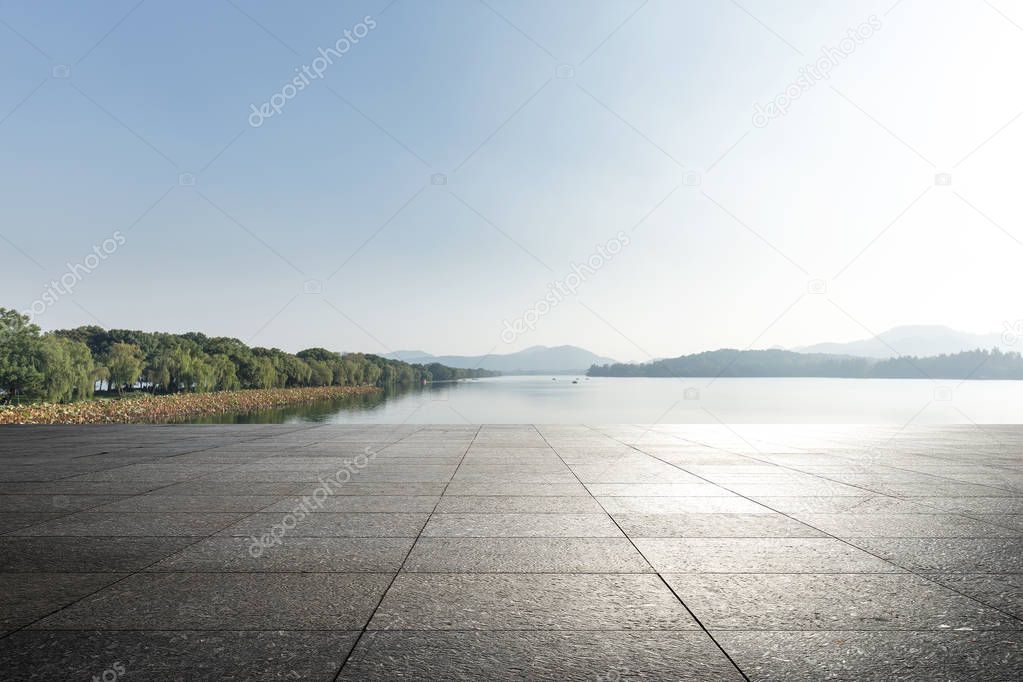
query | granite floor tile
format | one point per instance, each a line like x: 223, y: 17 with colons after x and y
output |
x: 933, y: 525
x: 526, y: 504
x: 525, y: 602
x: 624, y: 473
x: 71, y: 487
x: 513, y: 474
x: 685, y: 656
x: 949, y: 555
x: 682, y: 505
x: 876, y: 656
x: 165, y: 656
x: 227, y: 601
x: 712, y: 525
x: 219, y: 489
x: 867, y: 504
x: 189, y: 503
x: 30, y: 596
x: 693, y: 489
x: 1003, y: 591
x: 330, y: 524
x: 359, y: 503
x: 406, y: 475
x: 521, y: 525
x: 1008, y: 521
x: 758, y: 555
x: 798, y: 602
x: 52, y: 503
x: 517, y: 489
x: 785, y: 488
x: 119, y: 474
x: 241, y: 480
x: 290, y: 555
x: 142, y: 524
x: 525, y: 555
x: 85, y: 554
x: 936, y: 488
x: 973, y: 505
x: 12, y: 521
x: 363, y: 488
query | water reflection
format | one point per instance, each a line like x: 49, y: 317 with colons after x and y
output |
x: 611, y: 400
x: 317, y: 411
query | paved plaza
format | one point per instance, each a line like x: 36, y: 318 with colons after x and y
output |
x: 674, y: 552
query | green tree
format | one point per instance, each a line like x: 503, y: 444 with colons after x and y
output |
x: 204, y: 375
x: 225, y: 373
x: 157, y: 373
x: 64, y: 365
x: 83, y: 369
x: 353, y: 369
x: 297, y: 371
x: 58, y: 385
x: 124, y: 363
x: 182, y: 372
x: 102, y: 375
x: 322, y: 374
x: 265, y: 374
x: 20, y: 350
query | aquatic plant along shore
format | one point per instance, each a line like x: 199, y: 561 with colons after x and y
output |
x: 145, y: 408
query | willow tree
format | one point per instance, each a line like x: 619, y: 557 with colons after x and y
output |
x: 124, y: 363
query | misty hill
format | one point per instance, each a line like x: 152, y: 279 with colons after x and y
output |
x: 918, y: 340
x: 541, y: 359
x: 977, y: 364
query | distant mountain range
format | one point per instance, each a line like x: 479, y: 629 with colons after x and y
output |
x: 537, y: 359
x: 918, y: 340
x: 729, y: 362
x: 912, y: 352
x: 822, y: 359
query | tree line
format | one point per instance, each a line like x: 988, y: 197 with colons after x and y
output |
x: 974, y: 364
x: 72, y: 364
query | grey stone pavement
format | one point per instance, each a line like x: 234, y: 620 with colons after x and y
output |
x: 511, y: 552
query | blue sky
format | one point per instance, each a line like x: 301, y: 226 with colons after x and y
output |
x: 555, y: 126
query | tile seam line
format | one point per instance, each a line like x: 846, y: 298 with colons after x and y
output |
x: 664, y: 582
x: 918, y: 574
x: 394, y: 577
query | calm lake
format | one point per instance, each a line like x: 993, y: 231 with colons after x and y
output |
x: 607, y: 400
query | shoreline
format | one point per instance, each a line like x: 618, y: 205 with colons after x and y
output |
x: 149, y: 409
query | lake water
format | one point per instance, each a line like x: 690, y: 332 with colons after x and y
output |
x: 613, y: 400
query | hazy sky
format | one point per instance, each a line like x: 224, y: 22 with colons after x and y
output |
x: 554, y: 127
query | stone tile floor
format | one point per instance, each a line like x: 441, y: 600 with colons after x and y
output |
x: 326, y: 552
